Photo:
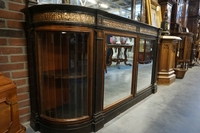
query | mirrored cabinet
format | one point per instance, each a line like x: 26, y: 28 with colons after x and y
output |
x: 84, y: 66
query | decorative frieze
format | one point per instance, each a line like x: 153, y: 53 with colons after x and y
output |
x: 118, y: 25
x: 148, y: 31
x: 64, y: 17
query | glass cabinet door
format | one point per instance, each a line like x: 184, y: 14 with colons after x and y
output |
x: 148, y: 46
x: 63, y: 74
x: 141, y: 46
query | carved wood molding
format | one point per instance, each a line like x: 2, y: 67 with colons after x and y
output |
x: 166, y: 46
x: 118, y: 25
x: 148, y: 31
x: 123, y: 26
x: 64, y: 17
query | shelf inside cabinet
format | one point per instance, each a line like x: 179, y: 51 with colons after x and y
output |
x: 64, y: 75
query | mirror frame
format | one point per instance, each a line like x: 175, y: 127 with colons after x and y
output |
x: 153, y: 64
x: 133, y: 87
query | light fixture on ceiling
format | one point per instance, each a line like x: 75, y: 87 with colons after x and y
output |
x: 123, y: 12
x: 92, y: 1
x: 83, y: 2
x: 103, y: 5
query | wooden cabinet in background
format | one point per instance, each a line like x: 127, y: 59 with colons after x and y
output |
x: 167, y: 5
x: 179, y: 16
x: 193, y: 24
x: 179, y: 28
x: 184, y: 49
x: 9, y: 115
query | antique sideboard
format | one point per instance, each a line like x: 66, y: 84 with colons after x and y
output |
x: 66, y: 53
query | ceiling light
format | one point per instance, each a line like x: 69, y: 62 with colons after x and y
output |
x: 123, y: 12
x: 103, y: 5
x: 92, y: 1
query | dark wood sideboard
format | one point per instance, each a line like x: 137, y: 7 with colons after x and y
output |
x: 66, y: 53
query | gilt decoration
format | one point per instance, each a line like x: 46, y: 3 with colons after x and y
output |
x: 65, y: 17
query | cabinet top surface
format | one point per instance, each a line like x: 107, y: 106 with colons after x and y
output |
x: 171, y: 37
x: 84, y: 16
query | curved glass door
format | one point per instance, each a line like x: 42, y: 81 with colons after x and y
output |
x: 63, y: 74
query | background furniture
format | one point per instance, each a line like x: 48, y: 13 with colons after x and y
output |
x: 179, y: 16
x: 9, y: 114
x: 184, y: 50
x: 167, y: 5
x: 119, y: 57
x: 179, y: 28
x: 193, y: 26
x: 167, y: 55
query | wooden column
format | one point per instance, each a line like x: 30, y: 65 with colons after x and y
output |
x: 9, y: 114
x: 166, y: 61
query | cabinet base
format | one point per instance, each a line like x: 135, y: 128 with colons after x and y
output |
x: 166, y: 78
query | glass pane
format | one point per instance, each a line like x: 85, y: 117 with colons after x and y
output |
x: 118, y: 7
x: 145, y: 63
x: 63, y: 74
x: 49, y: 1
x: 138, y: 7
x: 118, y: 71
x: 141, y: 47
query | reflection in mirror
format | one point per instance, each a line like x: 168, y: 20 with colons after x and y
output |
x: 145, y: 62
x: 118, y: 70
x: 118, y: 7
x: 138, y: 9
x: 49, y: 1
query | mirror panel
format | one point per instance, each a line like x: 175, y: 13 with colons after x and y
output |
x: 118, y: 71
x: 145, y: 64
x: 118, y: 7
